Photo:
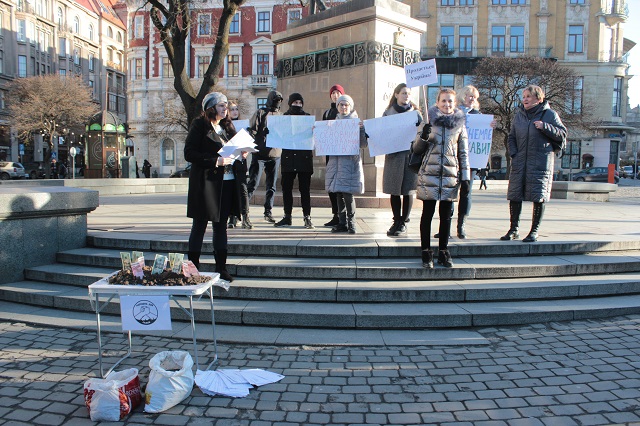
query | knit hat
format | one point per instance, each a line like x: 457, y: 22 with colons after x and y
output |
x: 295, y: 97
x: 336, y: 87
x: 213, y: 99
x: 345, y: 98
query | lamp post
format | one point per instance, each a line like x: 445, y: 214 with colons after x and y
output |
x: 73, y: 152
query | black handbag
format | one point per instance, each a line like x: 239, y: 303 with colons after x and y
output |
x: 415, y: 160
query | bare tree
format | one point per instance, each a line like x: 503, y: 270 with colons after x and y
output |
x: 501, y: 81
x: 48, y: 104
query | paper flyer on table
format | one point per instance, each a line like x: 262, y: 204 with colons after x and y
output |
x: 290, y: 131
x: 401, y: 126
x: 242, y: 141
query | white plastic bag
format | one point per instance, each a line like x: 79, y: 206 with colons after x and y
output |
x: 170, y: 380
x: 114, y: 397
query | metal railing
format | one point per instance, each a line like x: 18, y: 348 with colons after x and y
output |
x: 262, y: 81
x: 431, y: 52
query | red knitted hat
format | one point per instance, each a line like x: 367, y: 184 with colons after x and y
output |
x: 336, y: 87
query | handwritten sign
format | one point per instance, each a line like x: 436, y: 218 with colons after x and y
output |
x: 337, y: 137
x: 290, y: 131
x: 480, y: 135
x: 401, y: 126
x: 421, y: 73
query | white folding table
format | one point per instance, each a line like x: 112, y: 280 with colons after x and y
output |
x: 191, y: 292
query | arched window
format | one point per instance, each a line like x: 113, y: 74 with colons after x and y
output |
x: 109, y: 32
x: 168, y: 152
x: 90, y: 32
x: 76, y: 25
x: 60, y: 18
x: 119, y: 37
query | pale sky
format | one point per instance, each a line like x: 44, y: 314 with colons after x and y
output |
x: 632, y: 32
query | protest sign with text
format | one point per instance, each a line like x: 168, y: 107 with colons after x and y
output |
x: 290, y: 131
x: 391, y: 134
x: 480, y: 134
x: 421, y: 73
x: 337, y: 137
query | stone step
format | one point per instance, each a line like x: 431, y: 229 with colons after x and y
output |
x: 392, y: 269
x: 388, y: 316
x: 376, y: 291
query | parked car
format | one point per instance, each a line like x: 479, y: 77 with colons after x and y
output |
x: 497, y: 174
x: 11, y: 170
x: 181, y: 173
x: 595, y: 174
x: 34, y: 170
x: 627, y: 172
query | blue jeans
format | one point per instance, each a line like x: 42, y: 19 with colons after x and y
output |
x: 271, y: 174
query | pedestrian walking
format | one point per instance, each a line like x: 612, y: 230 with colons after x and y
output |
x: 344, y: 174
x: 535, y: 132
x: 482, y: 174
x: 397, y: 179
x: 214, y: 192
x: 266, y: 158
x: 146, y: 168
x: 296, y: 163
x: 445, y: 168
x: 334, y: 93
x: 234, y: 114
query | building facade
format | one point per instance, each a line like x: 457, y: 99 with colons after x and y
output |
x: 585, y: 35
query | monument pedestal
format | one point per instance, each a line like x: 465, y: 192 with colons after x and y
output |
x: 363, y: 45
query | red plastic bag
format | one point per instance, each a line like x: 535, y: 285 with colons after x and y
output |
x: 114, y: 397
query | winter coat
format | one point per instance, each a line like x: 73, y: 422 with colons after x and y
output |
x: 446, y: 159
x: 397, y: 178
x: 331, y: 113
x: 531, y: 151
x: 296, y: 160
x: 205, y: 178
x: 258, y: 129
x: 344, y: 173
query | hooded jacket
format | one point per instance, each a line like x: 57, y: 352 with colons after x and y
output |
x: 296, y: 160
x: 531, y: 151
x: 446, y: 156
x: 258, y: 127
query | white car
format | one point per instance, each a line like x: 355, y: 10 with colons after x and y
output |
x: 11, y: 170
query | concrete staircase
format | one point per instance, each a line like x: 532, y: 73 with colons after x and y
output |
x: 367, y: 284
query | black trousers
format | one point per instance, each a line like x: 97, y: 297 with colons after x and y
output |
x: 199, y: 226
x: 428, y: 210
x: 255, y: 173
x: 304, y: 186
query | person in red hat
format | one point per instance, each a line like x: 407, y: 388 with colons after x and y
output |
x: 334, y: 93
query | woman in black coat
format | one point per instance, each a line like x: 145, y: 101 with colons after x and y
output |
x: 214, y: 193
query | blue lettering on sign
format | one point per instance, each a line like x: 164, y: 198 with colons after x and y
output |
x: 480, y: 134
x: 480, y: 148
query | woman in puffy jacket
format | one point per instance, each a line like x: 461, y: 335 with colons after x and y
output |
x: 445, y: 166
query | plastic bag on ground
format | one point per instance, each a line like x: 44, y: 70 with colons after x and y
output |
x: 170, y: 380
x: 114, y: 397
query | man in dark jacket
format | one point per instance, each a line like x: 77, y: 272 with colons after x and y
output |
x: 266, y: 158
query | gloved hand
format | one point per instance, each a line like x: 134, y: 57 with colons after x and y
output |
x: 465, y: 186
x: 426, y: 131
x: 266, y: 130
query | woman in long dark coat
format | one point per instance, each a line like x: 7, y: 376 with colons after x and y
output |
x: 535, y: 130
x: 214, y: 193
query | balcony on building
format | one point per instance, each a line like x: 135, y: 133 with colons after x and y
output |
x: 461, y: 62
x: 262, y: 82
x: 613, y: 12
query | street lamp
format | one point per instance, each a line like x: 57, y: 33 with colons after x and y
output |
x: 73, y: 153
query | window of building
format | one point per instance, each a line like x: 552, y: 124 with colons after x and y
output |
x: 497, y: 2
x: 261, y: 102
x: 264, y: 22
x: 616, y: 110
x: 119, y: 37
x: 138, y: 27
x: 574, y: 101
x: 518, y: 1
x: 62, y: 46
x: 466, y: 2
x: 90, y: 32
x: 465, y: 40
x: 110, y: 32
x: 444, y: 80
x: 576, y: 2
x: 294, y: 15
x: 167, y: 70
x: 60, y: 18
x: 137, y: 109
x: 22, y: 30
x: 138, y: 68
x: 446, y: 36
x: 22, y: 66
x: 91, y: 61
x: 263, y: 64
x: 498, y: 35
x: 76, y: 56
x: 447, y: 2
x: 516, y: 40
x: 203, y: 64
x: 571, y: 155
x: 112, y: 102
x: 576, y: 38
x: 39, y: 8
x: 20, y: 6
x: 233, y: 66
x: 109, y: 55
x: 235, y: 24
x: 168, y: 152
x: 63, y: 73
x: 33, y: 66
x: 76, y: 25
x: 204, y: 24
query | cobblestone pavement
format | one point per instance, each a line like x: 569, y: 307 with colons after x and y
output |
x: 574, y: 373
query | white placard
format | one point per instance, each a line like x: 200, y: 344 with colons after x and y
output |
x: 145, y: 313
x: 337, y: 137
x: 393, y: 133
x: 421, y: 73
x: 290, y: 131
x: 242, y: 141
x: 240, y: 124
x: 480, y: 135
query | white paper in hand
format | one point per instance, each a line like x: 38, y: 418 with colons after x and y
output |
x: 242, y: 141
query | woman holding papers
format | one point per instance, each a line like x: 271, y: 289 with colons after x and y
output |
x: 397, y: 179
x: 214, y: 191
x: 344, y: 174
x: 234, y: 114
x: 445, y: 164
x: 296, y: 162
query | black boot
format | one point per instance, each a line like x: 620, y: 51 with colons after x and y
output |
x: 538, y: 211
x: 221, y: 265
x: 333, y: 222
x: 427, y: 259
x: 194, y: 256
x: 515, y: 208
x: 461, y: 231
x: 246, y: 223
x: 285, y: 221
x: 392, y: 231
x: 233, y: 222
x: 351, y: 223
x: 444, y: 258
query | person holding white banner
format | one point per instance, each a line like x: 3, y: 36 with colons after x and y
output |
x: 445, y: 165
x: 345, y: 174
x: 334, y: 93
x: 397, y: 179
